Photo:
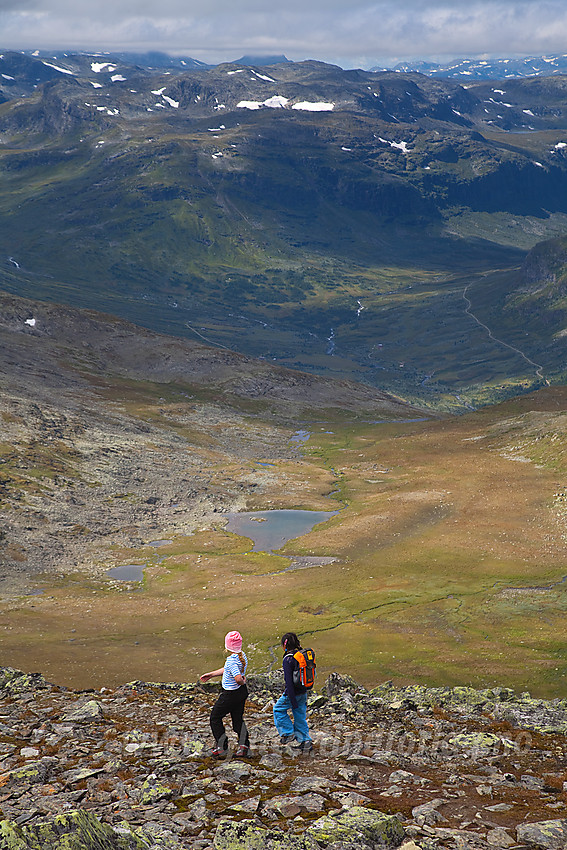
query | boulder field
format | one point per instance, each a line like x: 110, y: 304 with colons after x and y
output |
x: 410, y: 767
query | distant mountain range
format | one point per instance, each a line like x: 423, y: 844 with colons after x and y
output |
x: 501, y: 68
x: 493, y: 68
x: 353, y: 223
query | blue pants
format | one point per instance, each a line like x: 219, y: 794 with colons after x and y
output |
x: 282, y: 719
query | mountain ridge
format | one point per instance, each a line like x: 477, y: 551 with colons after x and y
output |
x: 294, y: 211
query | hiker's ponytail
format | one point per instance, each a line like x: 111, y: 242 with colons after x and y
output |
x: 290, y: 642
x: 242, y: 661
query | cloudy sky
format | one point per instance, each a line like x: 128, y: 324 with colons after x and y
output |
x: 351, y: 33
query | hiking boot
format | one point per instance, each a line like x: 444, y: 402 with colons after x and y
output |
x: 217, y: 753
x: 303, y: 746
x: 242, y: 751
x: 287, y: 739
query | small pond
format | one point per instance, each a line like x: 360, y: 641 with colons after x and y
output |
x: 127, y: 572
x: 271, y: 529
x: 300, y: 437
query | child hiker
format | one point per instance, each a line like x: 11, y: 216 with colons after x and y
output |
x: 231, y: 699
x: 294, y: 698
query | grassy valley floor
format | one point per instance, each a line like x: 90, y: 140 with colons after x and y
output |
x: 450, y: 557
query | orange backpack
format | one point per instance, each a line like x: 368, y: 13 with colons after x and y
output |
x: 304, y: 674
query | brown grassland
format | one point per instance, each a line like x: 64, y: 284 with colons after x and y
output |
x: 450, y: 554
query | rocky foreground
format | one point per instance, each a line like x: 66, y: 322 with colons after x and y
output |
x: 412, y: 767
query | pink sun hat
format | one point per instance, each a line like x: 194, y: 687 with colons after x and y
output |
x: 233, y: 641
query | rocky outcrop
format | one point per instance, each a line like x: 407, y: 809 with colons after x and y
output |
x: 354, y: 828
x: 411, y: 767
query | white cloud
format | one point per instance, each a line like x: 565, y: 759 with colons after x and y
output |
x: 349, y: 32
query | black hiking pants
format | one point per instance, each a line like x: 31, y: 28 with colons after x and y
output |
x: 230, y: 702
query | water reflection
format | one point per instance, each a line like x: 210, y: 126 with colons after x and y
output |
x: 271, y: 529
x: 127, y: 572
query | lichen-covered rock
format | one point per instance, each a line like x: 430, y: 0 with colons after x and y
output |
x: 249, y: 806
x: 476, y: 741
x: 316, y: 700
x: 91, y: 710
x: 32, y: 771
x: 498, y: 837
x: 152, y: 791
x: 368, y: 827
x: 17, y: 682
x: 310, y: 783
x: 522, y: 711
x: 233, y: 771
x: 159, y: 837
x: 71, y: 831
x: 193, y: 748
x: 337, y: 684
x: 549, y: 834
x: 356, y: 828
x: 266, y: 685
x: 286, y: 807
x: 231, y: 835
x: 427, y: 813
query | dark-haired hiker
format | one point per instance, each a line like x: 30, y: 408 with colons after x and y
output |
x: 294, y: 699
x: 232, y: 698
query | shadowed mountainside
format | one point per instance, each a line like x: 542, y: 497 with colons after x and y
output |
x: 335, y: 221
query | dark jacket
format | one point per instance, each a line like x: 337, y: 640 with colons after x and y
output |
x: 289, y: 666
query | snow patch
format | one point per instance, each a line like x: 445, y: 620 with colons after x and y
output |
x: 276, y: 102
x: 97, y: 67
x: 7, y: 77
x: 560, y: 145
x: 500, y: 103
x: 57, y: 68
x: 240, y: 71
x: 96, y: 85
x: 30, y: 322
x: 263, y: 77
x: 174, y: 103
x: 528, y: 112
x: 118, y: 78
x: 317, y: 106
x: 401, y: 146
x: 159, y: 91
